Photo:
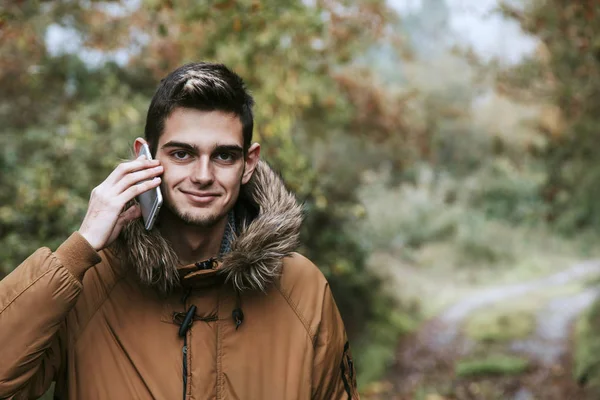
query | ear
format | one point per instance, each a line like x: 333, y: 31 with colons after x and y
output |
x: 250, y: 161
x: 137, y: 145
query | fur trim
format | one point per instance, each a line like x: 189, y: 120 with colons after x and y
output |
x: 150, y: 254
x: 256, y: 253
x: 269, y: 220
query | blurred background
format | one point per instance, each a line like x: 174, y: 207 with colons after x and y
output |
x: 444, y: 150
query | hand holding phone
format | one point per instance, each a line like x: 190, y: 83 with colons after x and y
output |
x: 105, y: 216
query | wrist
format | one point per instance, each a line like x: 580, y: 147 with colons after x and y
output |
x: 77, y: 255
x: 90, y: 240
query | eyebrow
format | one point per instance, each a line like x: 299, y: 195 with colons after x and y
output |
x: 233, y: 148
x: 180, y: 145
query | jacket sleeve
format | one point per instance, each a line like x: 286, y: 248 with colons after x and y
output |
x: 334, y: 376
x: 34, y: 301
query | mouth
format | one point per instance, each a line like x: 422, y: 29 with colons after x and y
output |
x: 200, y: 197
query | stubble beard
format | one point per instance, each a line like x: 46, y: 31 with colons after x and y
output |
x: 199, y: 221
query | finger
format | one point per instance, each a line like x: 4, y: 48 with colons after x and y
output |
x: 130, y: 214
x: 126, y: 216
x: 130, y: 166
x: 136, y: 190
x: 136, y: 177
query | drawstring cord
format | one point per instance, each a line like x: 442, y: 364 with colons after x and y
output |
x: 185, y: 296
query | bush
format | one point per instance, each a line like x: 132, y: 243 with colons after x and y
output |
x: 587, y: 349
x: 408, y: 215
x: 503, y: 191
x: 437, y: 208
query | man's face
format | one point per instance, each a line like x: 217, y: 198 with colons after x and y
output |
x: 202, y: 155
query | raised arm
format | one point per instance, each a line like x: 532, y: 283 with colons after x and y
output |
x: 37, y: 296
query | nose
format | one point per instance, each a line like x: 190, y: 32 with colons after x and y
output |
x: 202, y: 173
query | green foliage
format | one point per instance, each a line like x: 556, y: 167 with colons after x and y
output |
x: 421, y: 211
x: 375, y: 349
x: 492, y: 365
x: 587, y: 349
x: 51, y: 171
x: 566, y: 73
x: 475, y: 214
x: 509, y: 193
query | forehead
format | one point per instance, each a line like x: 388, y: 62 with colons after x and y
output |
x: 202, y: 128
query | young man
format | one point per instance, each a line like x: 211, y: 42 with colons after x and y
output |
x: 212, y: 303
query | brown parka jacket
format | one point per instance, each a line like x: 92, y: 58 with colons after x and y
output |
x: 264, y: 323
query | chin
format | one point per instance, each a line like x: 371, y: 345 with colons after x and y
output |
x: 202, y: 219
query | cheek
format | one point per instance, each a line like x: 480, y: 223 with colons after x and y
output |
x: 232, y: 180
x: 172, y: 176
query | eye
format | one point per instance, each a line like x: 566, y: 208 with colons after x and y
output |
x: 180, y: 155
x: 224, y: 156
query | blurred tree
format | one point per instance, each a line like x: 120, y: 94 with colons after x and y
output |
x: 564, y: 75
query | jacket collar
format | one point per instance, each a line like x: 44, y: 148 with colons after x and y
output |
x: 268, y: 220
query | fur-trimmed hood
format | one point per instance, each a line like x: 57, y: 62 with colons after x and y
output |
x: 268, y: 221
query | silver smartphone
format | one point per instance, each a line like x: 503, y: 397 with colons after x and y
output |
x: 151, y: 200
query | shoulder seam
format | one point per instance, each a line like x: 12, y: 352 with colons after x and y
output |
x: 50, y: 269
x: 294, y: 307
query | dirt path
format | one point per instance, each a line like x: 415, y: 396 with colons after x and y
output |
x: 428, y: 358
x: 450, y: 321
x: 550, y: 339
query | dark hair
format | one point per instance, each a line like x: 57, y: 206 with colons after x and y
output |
x: 203, y: 86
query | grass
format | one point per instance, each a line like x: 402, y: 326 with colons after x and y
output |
x: 587, y: 349
x: 502, y: 327
x: 492, y: 365
x: 513, y: 319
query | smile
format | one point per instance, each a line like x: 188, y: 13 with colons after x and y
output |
x: 201, y: 198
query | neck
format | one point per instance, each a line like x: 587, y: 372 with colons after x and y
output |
x: 192, y: 243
